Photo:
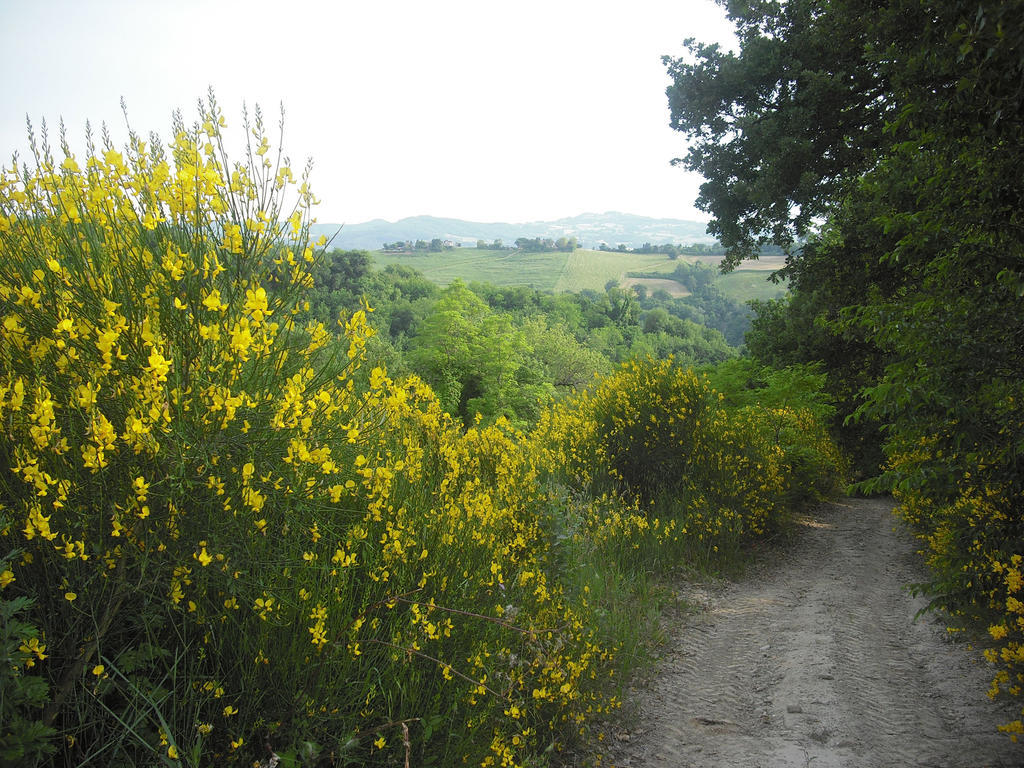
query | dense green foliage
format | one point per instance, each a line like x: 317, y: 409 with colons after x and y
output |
x: 902, y: 124
x: 701, y: 470
x: 24, y: 737
x: 542, y: 244
x: 494, y: 351
x: 782, y: 127
x: 706, y: 303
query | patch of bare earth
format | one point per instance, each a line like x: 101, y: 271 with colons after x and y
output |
x: 815, y: 659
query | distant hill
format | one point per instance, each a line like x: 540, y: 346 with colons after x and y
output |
x: 590, y: 230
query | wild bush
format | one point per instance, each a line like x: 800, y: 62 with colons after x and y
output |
x: 971, y: 539
x: 668, y: 473
x: 234, y: 544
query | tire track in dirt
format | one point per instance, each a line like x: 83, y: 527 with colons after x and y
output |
x: 815, y: 659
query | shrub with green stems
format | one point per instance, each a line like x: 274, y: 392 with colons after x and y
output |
x: 234, y: 544
x: 667, y: 472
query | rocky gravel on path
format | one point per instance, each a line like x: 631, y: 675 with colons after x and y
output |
x: 814, y: 658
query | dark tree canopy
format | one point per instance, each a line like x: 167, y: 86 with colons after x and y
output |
x: 780, y: 128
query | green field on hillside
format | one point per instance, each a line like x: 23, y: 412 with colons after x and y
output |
x: 593, y: 269
x: 546, y: 271
x: 747, y: 284
x: 564, y: 272
x: 539, y: 270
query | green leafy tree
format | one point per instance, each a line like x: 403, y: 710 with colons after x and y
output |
x: 782, y: 127
x: 342, y: 279
x: 474, y: 359
x: 566, y: 244
x: 566, y: 364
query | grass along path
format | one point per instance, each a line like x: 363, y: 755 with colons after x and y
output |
x: 814, y: 658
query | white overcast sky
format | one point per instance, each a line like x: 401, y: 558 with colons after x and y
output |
x: 486, y: 111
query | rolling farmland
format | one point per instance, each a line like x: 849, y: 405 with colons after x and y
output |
x: 570, y: 272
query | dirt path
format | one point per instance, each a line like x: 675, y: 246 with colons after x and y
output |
x: 815, y: 660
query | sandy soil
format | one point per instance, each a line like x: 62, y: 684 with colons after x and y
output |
x: 815, y: 659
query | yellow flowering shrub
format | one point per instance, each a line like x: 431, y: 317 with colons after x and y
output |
x: 231, y: 539
x: 972, y: 543
x: 666, y: 473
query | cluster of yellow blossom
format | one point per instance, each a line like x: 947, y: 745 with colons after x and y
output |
x: 972, y: 544
x: 194, y: 472
x: 663, y: 468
